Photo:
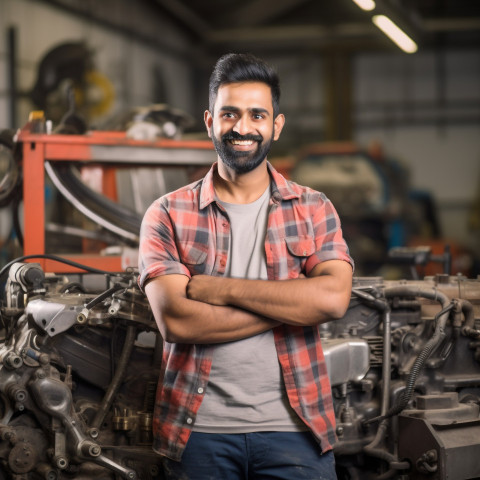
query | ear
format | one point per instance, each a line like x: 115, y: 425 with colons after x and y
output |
x: 208, y: 119
x: 278, y: 124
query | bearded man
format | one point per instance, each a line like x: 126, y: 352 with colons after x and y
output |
x: 240, y: 268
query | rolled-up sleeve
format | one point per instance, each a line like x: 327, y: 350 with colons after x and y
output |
x: 329, y: 241
x: 158, y: 253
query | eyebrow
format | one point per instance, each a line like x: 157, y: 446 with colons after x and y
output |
x: 231, y: 108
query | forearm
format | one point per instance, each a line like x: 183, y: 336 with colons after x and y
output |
x: 212, y: 324
x: 303, y: 301
x: 182, y: 320
x: 290, y: 301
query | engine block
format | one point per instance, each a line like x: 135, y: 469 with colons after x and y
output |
x: 79, y: 367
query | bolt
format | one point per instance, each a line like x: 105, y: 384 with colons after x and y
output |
x: 43, y: 359
x: 95, y: 450
x: 61, y: 463
x: 20, y: 396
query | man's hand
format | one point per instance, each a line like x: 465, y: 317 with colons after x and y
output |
x: 207, y: 289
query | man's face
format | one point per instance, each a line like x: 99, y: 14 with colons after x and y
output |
x: 242, y: 126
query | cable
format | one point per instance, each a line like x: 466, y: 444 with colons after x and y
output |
x: 56, y: 259
x: 104, y: 295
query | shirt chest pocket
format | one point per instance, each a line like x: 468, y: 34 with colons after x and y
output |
x: 194, y: 256
x: 298, y: 250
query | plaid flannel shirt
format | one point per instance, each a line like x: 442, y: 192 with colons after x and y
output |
x: 187, y: 232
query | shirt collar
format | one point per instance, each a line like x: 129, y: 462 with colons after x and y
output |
x: 281, y: 188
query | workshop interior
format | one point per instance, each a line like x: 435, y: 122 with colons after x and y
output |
x: 101, y: 112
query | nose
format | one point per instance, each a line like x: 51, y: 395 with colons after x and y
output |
x: 243, y: 125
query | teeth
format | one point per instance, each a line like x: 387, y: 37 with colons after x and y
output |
x: 242, y: 142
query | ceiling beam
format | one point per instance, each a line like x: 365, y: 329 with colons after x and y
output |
x: 452, y: 24
x: 186, y: 16
x: 284, y: 34
x: 260, y: 12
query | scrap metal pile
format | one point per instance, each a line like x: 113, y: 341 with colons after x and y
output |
x: 79, y: 366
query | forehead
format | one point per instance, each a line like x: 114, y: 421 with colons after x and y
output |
x: 244, y: 95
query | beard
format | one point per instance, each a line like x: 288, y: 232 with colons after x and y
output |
x: 241, y: 161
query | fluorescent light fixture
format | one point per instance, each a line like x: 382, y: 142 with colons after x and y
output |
x: 397, y: 35
x: 365, y: 4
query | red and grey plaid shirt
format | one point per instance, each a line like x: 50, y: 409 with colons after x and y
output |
x: 187, y: 232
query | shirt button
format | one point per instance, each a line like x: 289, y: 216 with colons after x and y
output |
x: 189, y: 420
x: 200, y: 390
x: 222, y: 263
x: 304, y: 252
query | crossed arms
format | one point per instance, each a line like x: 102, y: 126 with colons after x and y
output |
x: 207, y: 309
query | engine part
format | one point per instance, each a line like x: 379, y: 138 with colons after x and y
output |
x: 347, y: 361
x: 79, y: 368
x: 440, y: 437
x: 63, y: 380
x: 402, y: 419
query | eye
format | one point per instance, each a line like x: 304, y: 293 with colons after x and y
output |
x: 258, y: 116
x: 228, y: 115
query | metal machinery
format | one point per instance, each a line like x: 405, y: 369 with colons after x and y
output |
x: 77, y: 379
x: 79, y: 366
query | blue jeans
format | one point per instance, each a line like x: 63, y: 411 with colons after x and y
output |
x: 252, y: 456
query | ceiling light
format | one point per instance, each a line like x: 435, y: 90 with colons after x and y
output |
x: 365, y: 4
x: 395, y: 33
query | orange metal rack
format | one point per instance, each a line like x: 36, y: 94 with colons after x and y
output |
x: 108, y: 148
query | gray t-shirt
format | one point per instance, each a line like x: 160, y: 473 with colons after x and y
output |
x: 245, y: 392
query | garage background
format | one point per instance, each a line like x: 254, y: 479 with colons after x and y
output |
x: 342, y: 79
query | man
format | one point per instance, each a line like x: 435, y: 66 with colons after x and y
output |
x: 239, y: 269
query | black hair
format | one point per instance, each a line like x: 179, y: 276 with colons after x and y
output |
x: 243, y: 67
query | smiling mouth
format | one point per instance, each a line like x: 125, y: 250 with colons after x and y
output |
x: 242, y: 143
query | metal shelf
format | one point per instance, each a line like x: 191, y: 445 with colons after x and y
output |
x: 107, y: 148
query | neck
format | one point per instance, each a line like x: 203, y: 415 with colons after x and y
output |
x: 232, y: 187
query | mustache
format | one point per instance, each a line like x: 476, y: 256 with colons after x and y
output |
x: 236, y: 136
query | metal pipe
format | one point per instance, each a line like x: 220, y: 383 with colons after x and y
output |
x: 374, y: 448
x: 382, y: 305
x: 437, y: 337
x: 387, y: 360
x: 468, y: 329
